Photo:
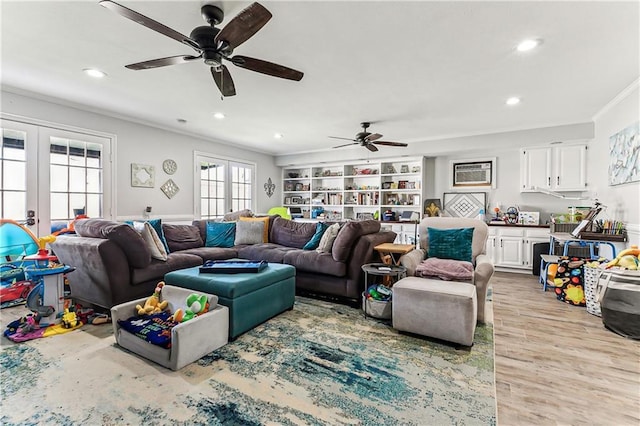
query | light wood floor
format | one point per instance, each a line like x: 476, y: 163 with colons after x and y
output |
x: 556, y: 364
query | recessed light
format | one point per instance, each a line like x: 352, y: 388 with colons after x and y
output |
x: 278, y: 136
x: 94, y: 72
x: 513, y: 101
x: 528, y: 44
x: 218, y: 115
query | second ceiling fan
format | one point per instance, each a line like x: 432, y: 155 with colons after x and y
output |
x: 213, y: 44
x: 368, y: 140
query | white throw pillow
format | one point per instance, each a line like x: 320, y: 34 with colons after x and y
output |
x: 329, y: 236
x: 248, y: 232
x: 151, y: 238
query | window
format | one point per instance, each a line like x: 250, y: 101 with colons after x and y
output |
x: 224, y: 186
x: 76, y: 178
x: 13, y: 165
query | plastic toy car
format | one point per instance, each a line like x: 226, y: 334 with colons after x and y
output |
x: 16, y: 290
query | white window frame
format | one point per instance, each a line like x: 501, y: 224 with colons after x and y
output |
x: 40, y: 131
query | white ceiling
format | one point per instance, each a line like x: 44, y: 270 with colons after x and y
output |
x: 417, y: 70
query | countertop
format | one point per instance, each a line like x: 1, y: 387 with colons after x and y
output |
x: 515, y: 225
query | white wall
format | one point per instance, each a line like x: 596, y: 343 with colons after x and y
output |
x: 138, y: 143
x: 623, y: 200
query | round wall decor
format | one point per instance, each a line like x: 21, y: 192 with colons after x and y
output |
x: 169, y: 167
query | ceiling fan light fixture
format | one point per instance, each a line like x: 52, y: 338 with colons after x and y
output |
x: 513, y: 101
x: 528, y: 44
x: 95, y: 73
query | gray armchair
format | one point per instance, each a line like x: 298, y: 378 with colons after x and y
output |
x: 447, y: 310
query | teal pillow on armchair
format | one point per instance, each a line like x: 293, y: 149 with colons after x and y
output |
x: 454, y: 243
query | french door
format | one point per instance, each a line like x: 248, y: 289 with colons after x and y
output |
x: 224, y: 186
x: 49, y: 175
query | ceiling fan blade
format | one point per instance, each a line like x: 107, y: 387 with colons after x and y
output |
x: 390, y: 143
x: 373, y: 137
x: 346, y: 139
x: 223, y: 81
x: 264, y: 67
x: 162, y: 62
x: 244, y: 25
x: 149, y: 23
x: 370, y: 147
x: 346, y: 144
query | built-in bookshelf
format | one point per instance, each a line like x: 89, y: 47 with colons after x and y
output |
x: 356, y: 189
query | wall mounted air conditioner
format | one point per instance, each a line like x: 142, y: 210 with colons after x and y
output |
x: 472, y: 174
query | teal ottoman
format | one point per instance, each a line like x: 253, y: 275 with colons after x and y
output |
x: 252, y: 298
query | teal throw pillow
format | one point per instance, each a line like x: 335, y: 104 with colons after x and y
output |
x: 220, y: 234
x: 314, y: 242
x: 156, y: 224
x: 452, y: 243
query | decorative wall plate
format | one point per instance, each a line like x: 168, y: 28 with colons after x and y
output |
x: 142, y: 175
x: 170, y: 188
x: 169, y: 166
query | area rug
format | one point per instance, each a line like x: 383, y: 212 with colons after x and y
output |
x: 319, y: 364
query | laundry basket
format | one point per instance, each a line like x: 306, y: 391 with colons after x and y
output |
x: 591, y: 277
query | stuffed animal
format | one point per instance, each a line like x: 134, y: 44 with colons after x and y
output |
x: 153, y: 305
x: 197, y: 304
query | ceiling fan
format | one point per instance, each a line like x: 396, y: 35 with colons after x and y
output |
x: 368, y: 140
x: 213, y: 44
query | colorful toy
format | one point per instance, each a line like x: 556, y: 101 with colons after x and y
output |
x: 153, y: 305
x: 197, y: 304
x: 69, y: 319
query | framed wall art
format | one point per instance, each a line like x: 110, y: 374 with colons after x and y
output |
x: 432, y: 207
x: 464, y: 204
x: 624, y: 155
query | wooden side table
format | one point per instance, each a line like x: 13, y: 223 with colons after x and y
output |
x: 391, y: 253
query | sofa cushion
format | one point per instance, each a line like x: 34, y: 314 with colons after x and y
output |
x: 94, y: 228
x: 265, y: 225
x: 157, y: 226
x: 291, y: 233
x: 328, y: 238
x: 348, y: 235
x: 452, y: 243
x: 181, y: 237
x: 234, y: 216
x: 266, y: 251
x: 312, y: 261
x: 151, y: 238
x: 129, y: 241
x: 156, y: 270
x: 314, y: 242
x: 213, y: 253
x: 220, y: 234
x: 249, y: 232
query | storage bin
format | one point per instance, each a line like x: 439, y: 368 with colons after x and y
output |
x: 376, y: 308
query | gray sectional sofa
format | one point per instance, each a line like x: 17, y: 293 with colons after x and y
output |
x: 113, y: 264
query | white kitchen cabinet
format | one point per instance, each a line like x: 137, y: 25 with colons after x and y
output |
x: 533, y: 236
x: 511, y: 247
x: 554, y: 168
x: 491, y: 247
